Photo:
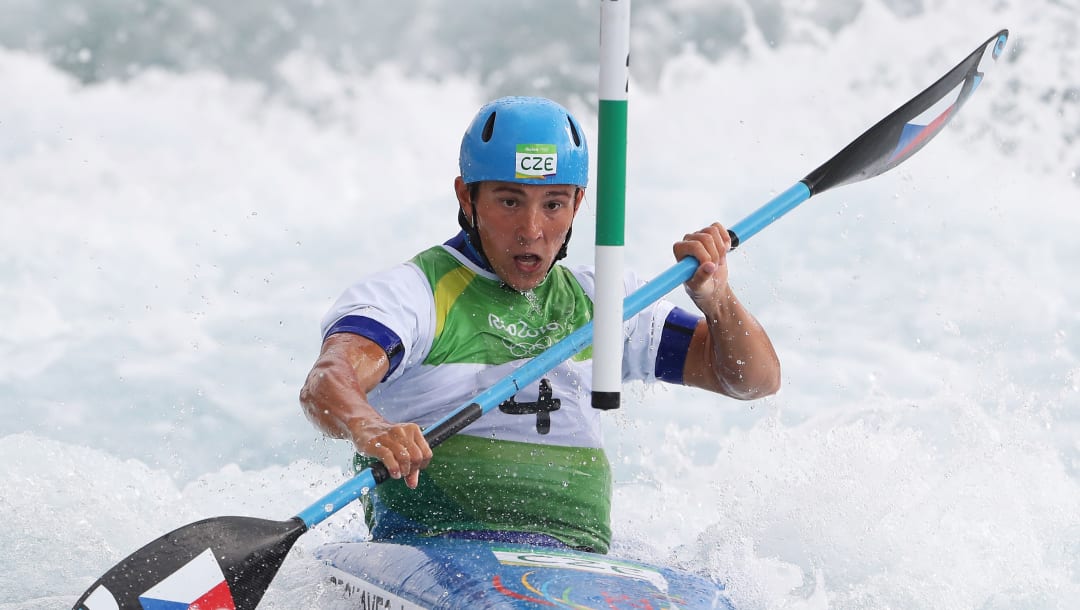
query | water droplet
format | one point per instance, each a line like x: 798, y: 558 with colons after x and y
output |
x: 329, y: 507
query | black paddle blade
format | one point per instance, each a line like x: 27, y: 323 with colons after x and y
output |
x: 225, y: 563
x: 901, y: 134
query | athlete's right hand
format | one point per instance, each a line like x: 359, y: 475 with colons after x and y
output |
x: 400, y: 447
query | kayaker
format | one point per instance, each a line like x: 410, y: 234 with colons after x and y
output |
x: 407, y: 345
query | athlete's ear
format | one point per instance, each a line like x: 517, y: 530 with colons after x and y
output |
x: 579, y: 196
x: 464, y: 197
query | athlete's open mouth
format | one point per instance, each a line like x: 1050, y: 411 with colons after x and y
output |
x: 527, y: 262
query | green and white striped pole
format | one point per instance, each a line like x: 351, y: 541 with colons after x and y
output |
x: 610, y: 202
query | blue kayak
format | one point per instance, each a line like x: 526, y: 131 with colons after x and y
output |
x: 445, y: 573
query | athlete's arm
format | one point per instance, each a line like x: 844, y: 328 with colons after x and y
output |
x: 730, y: 352
x: 334, y: 398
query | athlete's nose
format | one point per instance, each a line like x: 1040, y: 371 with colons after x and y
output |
x: 531, y: 226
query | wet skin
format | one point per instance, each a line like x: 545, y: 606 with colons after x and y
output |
x: 521, y: 226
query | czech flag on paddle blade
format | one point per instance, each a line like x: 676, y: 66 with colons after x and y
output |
x: 199, y: 585
x: 920, y: 129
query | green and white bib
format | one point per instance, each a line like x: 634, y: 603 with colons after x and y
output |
x: 462, y: 330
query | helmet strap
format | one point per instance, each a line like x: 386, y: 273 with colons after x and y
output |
x: 561, y: 254
x: 472, y: 230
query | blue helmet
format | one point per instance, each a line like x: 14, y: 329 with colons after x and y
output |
x: 529, y: 140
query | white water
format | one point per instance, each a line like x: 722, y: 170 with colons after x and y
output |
x: 169, y: 242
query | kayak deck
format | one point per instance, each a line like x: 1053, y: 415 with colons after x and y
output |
x: 443, y: 573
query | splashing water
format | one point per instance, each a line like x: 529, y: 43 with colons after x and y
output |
x: 177, y: 218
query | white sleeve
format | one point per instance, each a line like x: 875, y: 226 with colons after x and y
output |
x: 641, y: 333
x: 399, y: 299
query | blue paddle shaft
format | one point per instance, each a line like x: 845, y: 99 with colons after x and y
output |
x: 769, y: 213
x: 573, y: 343
x: 334, y: 501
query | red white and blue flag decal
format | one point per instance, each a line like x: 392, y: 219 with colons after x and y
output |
x: 923, y: 127
x: 199, y: 585
x: 920, y: 129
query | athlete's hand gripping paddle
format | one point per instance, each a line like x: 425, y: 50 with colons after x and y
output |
x: 228, y: 562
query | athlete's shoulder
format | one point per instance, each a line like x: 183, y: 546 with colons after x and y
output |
x: 384, y: 295
x: 585, y: 275
x: 438, y: 261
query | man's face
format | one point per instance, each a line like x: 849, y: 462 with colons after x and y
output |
x: 522, y: 226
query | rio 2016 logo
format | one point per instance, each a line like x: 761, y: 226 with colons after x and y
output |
x: 522, y: 340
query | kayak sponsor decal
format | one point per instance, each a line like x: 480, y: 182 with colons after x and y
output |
x: 497, y: 582
x: 366, y: 596
x: 617, y: 602
x: 536, y: 161
x: 100, y: 599
x: 199, y: 585
x: 555, y: 595
x: 567, y: 561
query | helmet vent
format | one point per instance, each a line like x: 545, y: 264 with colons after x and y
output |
x: 574, y: 132
x: 489, y: 128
